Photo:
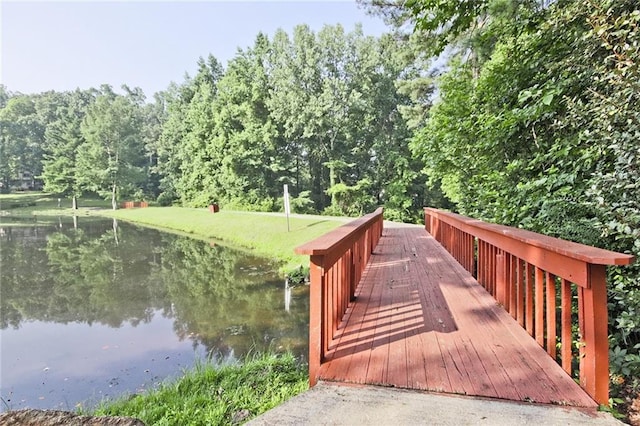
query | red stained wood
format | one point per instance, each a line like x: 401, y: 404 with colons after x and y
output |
x: 528, y: 272
x: 566, y: 348
x: 315, y: 320
x: 520, y: 292
x: 551, y: 315
x: 594, y: 376
x: 498, y: 234
x: 539, y: 309
x: 513, y: 308
x: 421, y: 321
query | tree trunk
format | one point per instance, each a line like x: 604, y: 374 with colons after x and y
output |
x: 332, y: 182
x: 332, y: 172
x: 74, y: 202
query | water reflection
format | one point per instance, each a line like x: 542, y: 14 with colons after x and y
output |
x: 287, y: 295
x: 101, y: 307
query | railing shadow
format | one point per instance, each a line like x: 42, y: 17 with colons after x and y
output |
x: 403, y: 296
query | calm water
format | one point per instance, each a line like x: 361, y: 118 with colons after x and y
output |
x: 111, y: 308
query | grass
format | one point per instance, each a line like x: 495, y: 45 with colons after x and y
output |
x: 266, y: 235
x: 43, y: 208
x: 210, y: 395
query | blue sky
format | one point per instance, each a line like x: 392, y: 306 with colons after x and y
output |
x: 54, y: 45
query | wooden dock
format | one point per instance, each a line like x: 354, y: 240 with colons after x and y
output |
x: 421, y: 321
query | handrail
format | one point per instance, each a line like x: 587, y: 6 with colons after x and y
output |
x: 337, y: 260
x: 524, y: 270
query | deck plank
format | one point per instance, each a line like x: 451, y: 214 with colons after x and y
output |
x: 420, y: 321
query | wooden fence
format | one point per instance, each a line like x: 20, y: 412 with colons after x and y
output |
x: 528, y: 274
x: 337, y: 260
x: 133, y: 204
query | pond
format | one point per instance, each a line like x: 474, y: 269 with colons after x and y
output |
x: 100, y: 308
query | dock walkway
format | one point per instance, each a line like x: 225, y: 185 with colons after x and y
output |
x: 421, y: 321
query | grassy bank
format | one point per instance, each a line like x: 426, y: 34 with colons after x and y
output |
x: 265, y: 234
x: 208, y: 395
x: 43, y: 208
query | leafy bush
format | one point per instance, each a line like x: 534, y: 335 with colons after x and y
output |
x: 165, y: 199
x: 303, y: 203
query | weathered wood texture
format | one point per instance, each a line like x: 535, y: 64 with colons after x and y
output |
x: 528, y: 273
x: 337, y: 259
x: 421, y: 321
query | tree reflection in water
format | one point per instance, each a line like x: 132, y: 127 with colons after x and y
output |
x: 222, y: 300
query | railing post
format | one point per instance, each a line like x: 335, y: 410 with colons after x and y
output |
x: 594, y: 364
x: 501, y: 279
x: 316, y: 275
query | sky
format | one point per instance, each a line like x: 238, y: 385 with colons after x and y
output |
x: 56, y: 45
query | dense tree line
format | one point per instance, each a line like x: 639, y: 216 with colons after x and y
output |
x: 329, y: 113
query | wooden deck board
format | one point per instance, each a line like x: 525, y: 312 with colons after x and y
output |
x: 420, y: 321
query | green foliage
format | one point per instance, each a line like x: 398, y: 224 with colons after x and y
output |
x: 63, y: 138
x: 445, y: 20
x: 109, y: 162
x: 213, y: 394
x: 613, y: 105
x: 21, y: 140
x: 352, y: 200
x: 624, y: 363
x: 302, y: 204
x: 329, y: 113
x: 165, y: 199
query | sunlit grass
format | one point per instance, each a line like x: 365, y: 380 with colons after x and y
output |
x: 32, y: 203
x: 43, y: 208
x: 265, y: 235
x: 210, y: 395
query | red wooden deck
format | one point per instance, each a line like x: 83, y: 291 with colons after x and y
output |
x: 421, y: 321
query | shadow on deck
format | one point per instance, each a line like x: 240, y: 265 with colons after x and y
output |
x: 421, y: 321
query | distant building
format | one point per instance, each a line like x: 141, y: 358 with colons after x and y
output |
x: 25, y: 181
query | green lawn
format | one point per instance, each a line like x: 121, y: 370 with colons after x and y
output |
x: 43, y: 208
x: 265, y: 235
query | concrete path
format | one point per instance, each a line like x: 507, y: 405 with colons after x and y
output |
x: 332, y: 404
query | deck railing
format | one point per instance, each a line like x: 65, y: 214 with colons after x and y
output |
x: 337, y: 260
x: 525, y: 271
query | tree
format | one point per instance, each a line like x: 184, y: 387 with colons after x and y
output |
x: 294, y: 82
x: 63, y: 139
x: 334, y: 97
x: 21, y: 141
x: 154, y: 115
x: 251, y: 153
x: 174, y: 129
x: 4, y: 96
x: 109, y: 162
x: 193, y: 163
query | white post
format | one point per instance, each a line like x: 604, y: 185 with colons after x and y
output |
x: 287, y: 207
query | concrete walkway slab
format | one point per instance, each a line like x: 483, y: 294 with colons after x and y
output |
x: 333, y: 404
